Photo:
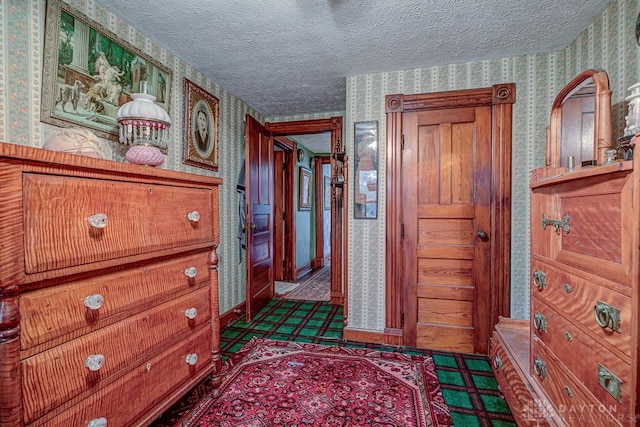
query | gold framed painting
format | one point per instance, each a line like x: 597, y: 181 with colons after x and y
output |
x: 201, y: 127
x: 89, y: 72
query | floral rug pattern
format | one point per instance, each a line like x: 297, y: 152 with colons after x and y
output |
x: 316, y: 288
x: 277, y: 383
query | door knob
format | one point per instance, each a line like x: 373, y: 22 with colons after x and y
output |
x: 483, y: 235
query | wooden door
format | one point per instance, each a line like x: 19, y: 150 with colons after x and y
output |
x: 446, y: 184
x: 260, y: 217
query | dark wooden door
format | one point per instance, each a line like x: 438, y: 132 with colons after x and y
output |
x: 446, y: 181
x: 260, y: 216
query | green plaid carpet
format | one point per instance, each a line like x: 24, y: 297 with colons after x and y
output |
x: 466, y: 380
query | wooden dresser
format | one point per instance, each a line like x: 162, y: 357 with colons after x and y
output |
x: 582, y: 366
x: 108, y: 288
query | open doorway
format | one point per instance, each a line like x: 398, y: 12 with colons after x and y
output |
x: 313, y: 133
x: 302, y: 257
x: 261, y: 212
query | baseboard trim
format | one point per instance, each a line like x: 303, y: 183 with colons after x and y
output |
x: 364, y: 335
x: 303, y: 269
x: 235, y: 313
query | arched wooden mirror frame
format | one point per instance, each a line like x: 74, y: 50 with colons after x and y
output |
x: 589, y: 129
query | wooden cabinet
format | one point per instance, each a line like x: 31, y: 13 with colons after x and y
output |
x: 109, y: 291
x: 582, y: 338
x: 584, y: 258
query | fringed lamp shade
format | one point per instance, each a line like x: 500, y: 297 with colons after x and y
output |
x: 144, y: 125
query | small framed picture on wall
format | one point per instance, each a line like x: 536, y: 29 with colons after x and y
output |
x: 200, y: 135
x: 305, y: 188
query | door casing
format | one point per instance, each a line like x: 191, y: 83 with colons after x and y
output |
x: 501, y: 98
x: 338, y: 267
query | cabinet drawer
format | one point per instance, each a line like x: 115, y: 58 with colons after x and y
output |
x: 57, y: 311
x: 567, y: 341
x: 57, y: 375
x: 122, y: 401
x: 577, y: 299
x: 140, y: 218
x: 598, y: 239
x: 575, y: 404
x: 522, y: 403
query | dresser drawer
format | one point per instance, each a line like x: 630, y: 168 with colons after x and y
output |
x: 122, y: 401
x: 577, y: 299
x: 119, y: 345
x: 598, y: 237
x: 58, y: 232
x: 63, y: 310
x: 575, y: 404
x: 522, y: 403
x: 582, y: 355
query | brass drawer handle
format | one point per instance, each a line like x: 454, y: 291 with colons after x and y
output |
x: 497, y: 363
x: 94, y: 302
x: 607, y: 316
x: 540, y: 368
x: 539, y: 279
x: 556, y: 224
x: 540, y: 322
x: 98, y: 220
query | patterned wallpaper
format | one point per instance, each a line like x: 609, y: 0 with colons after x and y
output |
x: 607, y: 43
x: 22, y: 42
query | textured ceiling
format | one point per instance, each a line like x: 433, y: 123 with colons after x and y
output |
x: 287, y: 57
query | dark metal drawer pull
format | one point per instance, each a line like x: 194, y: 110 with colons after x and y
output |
x: 539, y: 279
x: 607, y: 316
x: 540, y: 368
x: 556, y: 224
x: 610, y: 382
x: 540, y: 322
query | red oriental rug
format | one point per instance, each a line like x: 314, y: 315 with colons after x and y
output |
x: 276, y: 383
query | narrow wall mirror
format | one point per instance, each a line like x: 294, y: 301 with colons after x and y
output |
x: 580, y: 124
x: 365, y: 190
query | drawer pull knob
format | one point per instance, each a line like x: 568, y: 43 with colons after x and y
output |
x: 567, y: 288
x: 539, y: 279
x: 556, y: 224
x: 191, y: 313
x: 607, y: 316
x: 94, y: 301
x: 540, y: 322
x: 191, y: 359
x: 540, y: 368
x: 98, y: 220
x: 568, y: 336
x: 190, y: 272
x: 610, y: 382
x: 98, y: 422
x: 193, y: 216
x: 94, y: 362
x: 568, y: 391
x: 497, y: 363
